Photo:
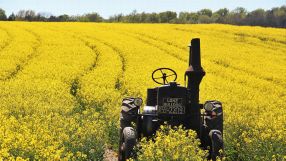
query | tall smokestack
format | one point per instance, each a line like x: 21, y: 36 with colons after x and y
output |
x: 195, y: 56
x: 195, y: 72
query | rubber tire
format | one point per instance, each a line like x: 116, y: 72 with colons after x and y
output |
x: 127, y: 144
x: 216, y: 144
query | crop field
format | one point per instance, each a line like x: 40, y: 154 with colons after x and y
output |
x: 61, y: 84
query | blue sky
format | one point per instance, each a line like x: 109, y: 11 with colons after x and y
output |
x: 107, y: 8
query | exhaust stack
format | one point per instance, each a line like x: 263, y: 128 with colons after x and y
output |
x: 195, y: 71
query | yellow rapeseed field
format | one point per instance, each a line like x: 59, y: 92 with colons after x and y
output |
x: 61, y: 85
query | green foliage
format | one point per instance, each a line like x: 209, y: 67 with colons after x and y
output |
x: 172, y: 144
x: 2, y: 15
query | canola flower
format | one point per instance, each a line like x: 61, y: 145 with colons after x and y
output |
x: 61, y: 85
x: 171, y: 144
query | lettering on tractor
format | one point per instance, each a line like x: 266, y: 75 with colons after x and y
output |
x: 176, y: 105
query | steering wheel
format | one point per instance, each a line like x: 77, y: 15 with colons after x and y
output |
x: 165, y: 72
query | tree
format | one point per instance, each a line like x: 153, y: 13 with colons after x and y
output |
x: 206, y: 12
x: 278, y: 16
x: 12, y: 17
x: 152, y: 18
x: 282, y: 17
x: 20, y: 15
x: 143, y: 17
x: 30, y: 15
x: 215, y: 18
x: 204, y: 19
x: 116, y: 18
x: 184, y: 17
x: 204, y: 16
x: 222, y: 14
x: 132, y: 17
x: 194, y: 17
x: 167, y: 17
x: 27, y: 15
x: 80, y: 18
x: 2, y: 15
x: 93, y: 17
x: 237, y: 16
x: 42, y: 16
x: 63, y: 18
x: 52, y: 18
x: 256, y: 17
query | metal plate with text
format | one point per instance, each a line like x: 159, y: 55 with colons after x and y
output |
x: 172, y: 106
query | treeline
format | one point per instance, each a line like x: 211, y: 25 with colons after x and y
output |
x: 275, y: 17
x: 30, y: 15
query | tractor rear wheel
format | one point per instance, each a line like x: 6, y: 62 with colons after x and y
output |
x: 127, y: 144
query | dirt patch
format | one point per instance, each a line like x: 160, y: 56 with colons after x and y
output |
x: 110, y: 155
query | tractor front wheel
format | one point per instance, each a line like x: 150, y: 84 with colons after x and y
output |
x: 216, y: 144
x: 127, y: 144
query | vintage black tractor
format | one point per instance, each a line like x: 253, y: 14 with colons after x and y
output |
x: 176, y: 105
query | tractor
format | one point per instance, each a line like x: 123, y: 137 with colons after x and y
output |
x: 175, y: 105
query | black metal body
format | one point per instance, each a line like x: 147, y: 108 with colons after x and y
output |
x: 183, y: 101
x: 157, y: 112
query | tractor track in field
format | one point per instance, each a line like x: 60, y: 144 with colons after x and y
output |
x: 222, y: 64
x: 109, y: 154
x: 9, y: 40
x: 239, y: 34
x: 118, y: 85
x: 20, y: 66
x: 114, y: 48
x: 156, y: 46
x: 75, y: 84
x: 240, y: 39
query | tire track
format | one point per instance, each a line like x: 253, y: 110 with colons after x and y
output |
x: 156, y: 39
x: 9, y: 40
x: 20, y: 66
x: 236, y: 33
x: 156, y: 46
x: 119, y: 80
x: 241, y: 36
x: 76, y: 85
x: 227, y: 65
x: 222, y: 64
x: 109, y: 154
x: 81, y: 105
